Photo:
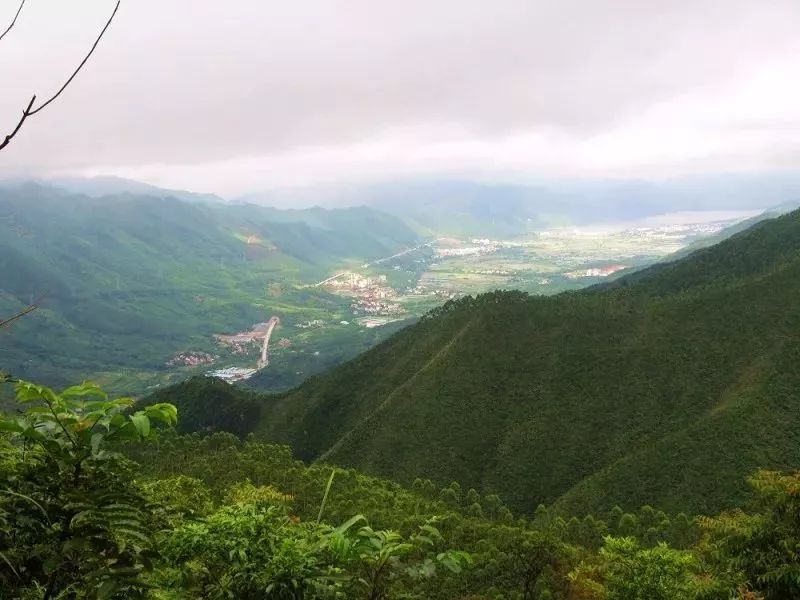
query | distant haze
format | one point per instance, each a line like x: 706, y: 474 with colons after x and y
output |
x: 249, y: 95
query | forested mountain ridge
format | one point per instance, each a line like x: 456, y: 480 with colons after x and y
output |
x: 666, y: 388
x: 125, y: 281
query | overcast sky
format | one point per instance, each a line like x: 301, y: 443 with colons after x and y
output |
x: 245, y: 95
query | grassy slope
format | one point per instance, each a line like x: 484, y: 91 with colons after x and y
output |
x: 666, y: 388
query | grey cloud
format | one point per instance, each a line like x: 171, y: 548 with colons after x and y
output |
x: 183, y: 82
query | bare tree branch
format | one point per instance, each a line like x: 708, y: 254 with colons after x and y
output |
x: 19, y: 10
x: 30, y: 110
x: 20, y: 314
x: 25, y: 114
x: 83, y: 62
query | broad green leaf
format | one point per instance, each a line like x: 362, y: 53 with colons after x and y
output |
x: 349, y: 523
x: 163, y: 412
x: 132, y: 533
x: 29, y: 392
x: 32, y: 434
x: 12, y: 426
x: 81, y: 391
x: 142, y: 423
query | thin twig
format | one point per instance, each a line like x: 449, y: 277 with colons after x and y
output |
x: 30, y: 111
x: 19, y: 10
x: 25, y: 114
x: 63, y: 427
x: 22, y: 313
x: 83, y: 62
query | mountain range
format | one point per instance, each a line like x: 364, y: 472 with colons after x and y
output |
x: 460, y: 207
x: 665, y: 388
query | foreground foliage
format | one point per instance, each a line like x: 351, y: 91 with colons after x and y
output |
x: 75, y: 524
x: 71, y: 520
x: 99, y: 500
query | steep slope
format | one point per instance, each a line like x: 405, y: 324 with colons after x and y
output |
x: 666, y: 388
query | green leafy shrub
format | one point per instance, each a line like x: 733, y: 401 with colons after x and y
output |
x: 72, y: 522
x: 176, y: 499
x: 377, y: 560
x: 247, y: 493
x: 761, y: 549
x: 250, y: 552
x: 257, y: 550
x: 626, y: 571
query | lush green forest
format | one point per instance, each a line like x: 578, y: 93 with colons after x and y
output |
x: 666, y: 388
x: 101, y: 500
x: 634, y: 441
x: 127, y: 281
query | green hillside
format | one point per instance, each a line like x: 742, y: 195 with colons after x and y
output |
x: 667, y: 388
x: 126, y: 281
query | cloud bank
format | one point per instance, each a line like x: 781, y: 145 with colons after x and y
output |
x: 245, y: 95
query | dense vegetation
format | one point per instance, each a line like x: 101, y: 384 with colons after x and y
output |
x: 601, y: 445
x: 127, y: 281
x: 97, y: 501
x: 209, y: 405
x: 667, y: 388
